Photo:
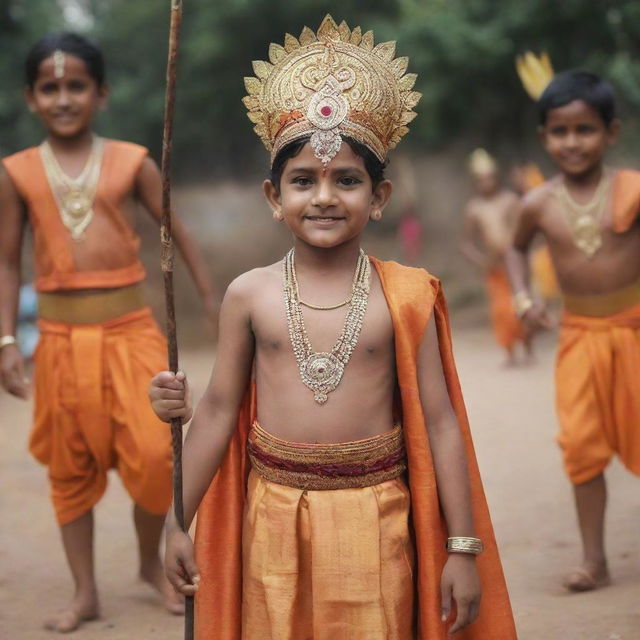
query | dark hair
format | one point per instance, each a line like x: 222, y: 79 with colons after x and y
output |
x: 578, y: 85
x: 373, y: 166
x: 70, y: 43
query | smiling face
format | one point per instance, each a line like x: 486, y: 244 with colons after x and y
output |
x: 66, y: 105
x: 576, y: 137
x: 326, y: 207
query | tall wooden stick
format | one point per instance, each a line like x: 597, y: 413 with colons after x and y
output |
x: 167, y: 271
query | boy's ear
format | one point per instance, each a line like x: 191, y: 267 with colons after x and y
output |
x: 103, y: 95
x: 381, y: 195
x: 28, y: 96
x: 614, y: 131
x: 541, y: 135
x: 273, y: 198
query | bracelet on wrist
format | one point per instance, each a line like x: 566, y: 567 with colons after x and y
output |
x: 5, y: 341
x: 462, y: 544
x: 522, y: 302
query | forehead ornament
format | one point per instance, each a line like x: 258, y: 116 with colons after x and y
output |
x: 59, y: 60
x: 328, y: 85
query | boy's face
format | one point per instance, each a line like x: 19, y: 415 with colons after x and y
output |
x: 66, y: 105
x: 326, y: 207
x: 576, y: 137
x: 486, y: 183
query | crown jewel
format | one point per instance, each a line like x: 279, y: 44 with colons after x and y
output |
x: 331, y: 84
x: 536, y: 72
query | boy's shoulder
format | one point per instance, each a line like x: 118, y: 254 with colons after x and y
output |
x: 535, y: 201
x: 255, y: 281
x: 19, y: 157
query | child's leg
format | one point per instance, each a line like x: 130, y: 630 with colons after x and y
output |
x: 77, y: 538
x: 591, y: 498
x: 149, y: 529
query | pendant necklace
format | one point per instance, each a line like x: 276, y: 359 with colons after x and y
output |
x: 322, y: 371
x: 74, y: 196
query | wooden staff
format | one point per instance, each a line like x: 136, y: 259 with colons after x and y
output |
x: 167, y: 271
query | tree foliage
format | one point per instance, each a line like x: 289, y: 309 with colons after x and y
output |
x: 463, y: 51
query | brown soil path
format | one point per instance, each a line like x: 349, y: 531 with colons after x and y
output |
x: 513, y: 424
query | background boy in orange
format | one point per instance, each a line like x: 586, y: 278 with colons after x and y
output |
x: 99, y: 342
x: 588, y: 216
x: 488, y: 230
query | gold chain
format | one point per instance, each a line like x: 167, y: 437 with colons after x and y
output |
x: 74, y: 196
x: 584, y: 219
x: 323, y: 371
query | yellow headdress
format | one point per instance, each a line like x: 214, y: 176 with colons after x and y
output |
x: 331, y: 84
x: 481, y: 162
x: 536, y: 72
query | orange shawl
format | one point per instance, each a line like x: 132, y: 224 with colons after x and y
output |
x: 412, y: 296
x: 626, y: 199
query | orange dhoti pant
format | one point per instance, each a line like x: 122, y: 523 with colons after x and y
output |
x: 323, y: 563
x: 598, y: 392
x: 507, y: 327
x: 92, y: 412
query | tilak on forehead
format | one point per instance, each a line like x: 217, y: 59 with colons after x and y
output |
x: 59, y: 60
x: 331, y: 85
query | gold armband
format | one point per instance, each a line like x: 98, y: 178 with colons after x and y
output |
x: 522, y: 302
x: 5, y: 341
x: 460, y: 544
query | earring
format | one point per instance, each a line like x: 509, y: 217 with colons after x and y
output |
x: 376, y: 214
x: 277, y: 215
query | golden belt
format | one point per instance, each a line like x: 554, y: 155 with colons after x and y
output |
x: 90, y: 308
x: 602, y: 305
x: 320, y: 467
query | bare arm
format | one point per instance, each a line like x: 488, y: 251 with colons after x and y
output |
x: 12, y: 224
x: 469, y: 241
x: 459, y: 579
x: 149, y: 192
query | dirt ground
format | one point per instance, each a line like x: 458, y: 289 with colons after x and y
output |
x: 513, y: 423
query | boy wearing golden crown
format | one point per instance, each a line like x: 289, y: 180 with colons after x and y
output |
x: 588, y: 215
x: 307, y: 525
x: 488, y: 231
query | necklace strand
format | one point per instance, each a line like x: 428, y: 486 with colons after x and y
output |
x: 323, y: 371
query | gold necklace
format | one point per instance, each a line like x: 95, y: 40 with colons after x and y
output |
x: 330, y: 307
x: 74, y: 196
x: 584, y: 219
x: 322, y: 371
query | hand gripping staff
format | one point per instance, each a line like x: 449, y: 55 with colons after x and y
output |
x: 167, y: 272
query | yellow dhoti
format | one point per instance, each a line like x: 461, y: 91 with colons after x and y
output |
x: 323, y: 563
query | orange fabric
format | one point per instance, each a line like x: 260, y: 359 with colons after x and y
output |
x: 295, y: 584
x: 544, y: 273
x: 532, y: 176
x: 412, y: 296
x: 626, y: 199
x: 507, y: 328
x: 92, y: 412
x: 107, y: 257
x: 597, y: 392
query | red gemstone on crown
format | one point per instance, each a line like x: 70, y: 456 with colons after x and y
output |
x: 326, y: 110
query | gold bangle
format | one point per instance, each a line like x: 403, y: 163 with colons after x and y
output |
x: 522, y: 302
x: 5, y: 341
x: 461, y: 544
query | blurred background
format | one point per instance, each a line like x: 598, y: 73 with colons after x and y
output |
x: 462, y: 50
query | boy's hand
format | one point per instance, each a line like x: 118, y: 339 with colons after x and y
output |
x: 460, y: 582
x: 179, y: 563
x: 538, y: 318
x: 13, y: 373
x: 170, y: 397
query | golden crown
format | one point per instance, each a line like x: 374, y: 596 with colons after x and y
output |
x: 536, y: 72
x: 481, y: 162
x: 331, y: 84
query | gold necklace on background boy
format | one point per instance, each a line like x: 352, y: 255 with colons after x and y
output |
x: 584, y: 219
x: 322, y: 371
x: 74, y: 196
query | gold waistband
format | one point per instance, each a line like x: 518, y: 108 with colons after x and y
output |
x: 90, y: 308
x: 318, y: 467
x: 603, y: 305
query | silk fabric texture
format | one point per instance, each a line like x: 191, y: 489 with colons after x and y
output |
x: 412, y: 297
x: 506, y: 325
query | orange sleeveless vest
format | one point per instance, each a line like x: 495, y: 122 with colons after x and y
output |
x: 107, y: 257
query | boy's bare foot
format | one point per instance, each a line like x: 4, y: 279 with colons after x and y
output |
x: 152, y: 573
x: 79, y: 610
x: 588, y: 578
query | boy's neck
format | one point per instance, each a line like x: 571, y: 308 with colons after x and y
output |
x: 81, y: 142
x: 584, y: 181
x: 334, y: 259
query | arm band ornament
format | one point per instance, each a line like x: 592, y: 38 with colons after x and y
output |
x: 473, y: 546
x: 522, y: 302
x: 5, y: 341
